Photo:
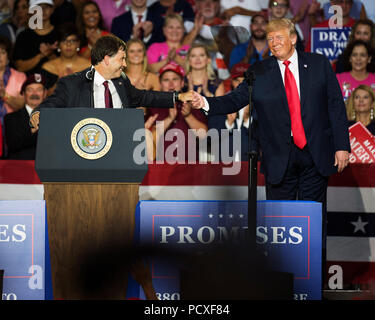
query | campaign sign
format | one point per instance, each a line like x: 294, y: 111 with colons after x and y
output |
x: 22, y: 249
x: 362, y: 144
x: 330, y: 42
x: 288, y: 232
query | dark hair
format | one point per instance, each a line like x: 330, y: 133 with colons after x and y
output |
x: 6, y: 45
x: 15, y: 4
x: 65, y: 30
x: 349, y: 50
x: 106, y: 46
x: 366, y: 22
x: 81, y: 26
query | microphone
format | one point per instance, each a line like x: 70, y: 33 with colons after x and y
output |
x: 90, y: 74
x: 250, y: 77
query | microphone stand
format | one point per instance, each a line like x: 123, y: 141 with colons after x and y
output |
x: 253, y: 170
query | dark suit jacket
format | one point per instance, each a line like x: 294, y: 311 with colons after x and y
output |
x: 19, y: 139
x: 322, y: 108
x: 76, y: 90
x: 122, y: 27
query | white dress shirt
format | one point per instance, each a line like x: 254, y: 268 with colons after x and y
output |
x: 293, y: 67
x: 99, y: 101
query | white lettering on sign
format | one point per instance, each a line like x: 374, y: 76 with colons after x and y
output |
x: 16, y: 233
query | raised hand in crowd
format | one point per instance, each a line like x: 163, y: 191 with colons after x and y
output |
x: 231, y: 118
x: 47, y: 49
x: 34, y: 121
x: 186, y: 109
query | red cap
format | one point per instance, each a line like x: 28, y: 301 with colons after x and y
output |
x: 239, y: 69
x: 172, y: 66
x: 33, y: 78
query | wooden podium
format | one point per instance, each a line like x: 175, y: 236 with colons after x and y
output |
x: 90, y: 202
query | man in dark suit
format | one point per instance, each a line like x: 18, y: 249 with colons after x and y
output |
x: 20, y: 141
x: 302, y: 123
x: 104, y: 85
x: 138, y: 22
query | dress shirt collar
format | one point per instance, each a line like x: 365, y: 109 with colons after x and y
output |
x: 293, y: 59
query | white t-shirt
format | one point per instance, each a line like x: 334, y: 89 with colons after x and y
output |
x: 240, y: 20
x: 370, y: 8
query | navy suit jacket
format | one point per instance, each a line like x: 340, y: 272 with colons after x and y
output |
x: 122, y: 27
x: 322, y: 109
x: 76, y: 90
x: 20, y: 141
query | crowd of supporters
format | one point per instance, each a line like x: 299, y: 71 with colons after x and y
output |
x: 203, y: 45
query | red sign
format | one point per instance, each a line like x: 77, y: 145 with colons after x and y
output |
x: 362, y: 143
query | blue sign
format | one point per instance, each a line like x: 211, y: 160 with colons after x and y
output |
x: 289, y: 234
x: 330, y: 42
x: 22, y: 249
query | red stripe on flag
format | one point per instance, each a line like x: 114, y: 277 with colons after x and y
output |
x: 358, y: 175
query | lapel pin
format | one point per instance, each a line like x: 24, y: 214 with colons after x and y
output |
x: 305, y: 66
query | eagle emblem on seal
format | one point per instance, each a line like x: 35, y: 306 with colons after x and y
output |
x: 91, y: 138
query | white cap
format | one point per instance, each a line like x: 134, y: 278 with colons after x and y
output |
x: 34, y: 3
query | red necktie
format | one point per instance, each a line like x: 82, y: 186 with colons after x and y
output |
x: 294, y: 104
x: 140, y: 30
x: 107, y: 95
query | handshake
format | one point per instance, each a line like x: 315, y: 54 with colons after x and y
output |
x: 193, y: 98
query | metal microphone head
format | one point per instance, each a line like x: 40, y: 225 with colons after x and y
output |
x: 90, y: 74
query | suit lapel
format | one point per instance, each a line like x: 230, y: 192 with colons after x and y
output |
x: 277, y: 80
x: 304, y: 79
x: 120, y: 87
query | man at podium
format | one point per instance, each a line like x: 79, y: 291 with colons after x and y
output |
x: 105, y: 85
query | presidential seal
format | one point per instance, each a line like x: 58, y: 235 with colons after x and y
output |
x: 91, y: 138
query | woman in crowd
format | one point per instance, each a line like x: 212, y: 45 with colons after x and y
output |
x: 10, y: 86
x: 11, y: 82
x: 69, y: 60
x: 200, y: 76
x: 361, y: 68
x: 160, y: 54
x: 360, y: 107
x: 90, y: 27
x: 18, y: 21
x: 141, y: 78
x: 362, y: 30
x: 35, y: 46
x: 137, y: 65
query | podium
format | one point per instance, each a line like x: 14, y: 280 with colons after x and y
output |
x: 86, y: 161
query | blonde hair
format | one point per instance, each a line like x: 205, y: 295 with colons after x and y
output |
x: 210, y: 71
x: 283, y: 23
x: 172, y: 16
x: 145, y: 62
x: 350, y: 110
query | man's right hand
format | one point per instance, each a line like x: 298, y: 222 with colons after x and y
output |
x: 35, y: 122
x: 197, y: 102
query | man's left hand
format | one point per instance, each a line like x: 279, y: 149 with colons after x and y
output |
x: 341, y: 160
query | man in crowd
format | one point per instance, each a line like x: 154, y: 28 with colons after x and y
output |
x: 256, y: 49
x: 172, y: 131
x: 19, y: 139
x: 139, y: 23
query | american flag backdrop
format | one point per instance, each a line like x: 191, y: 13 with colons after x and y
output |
x: 351, y: 206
